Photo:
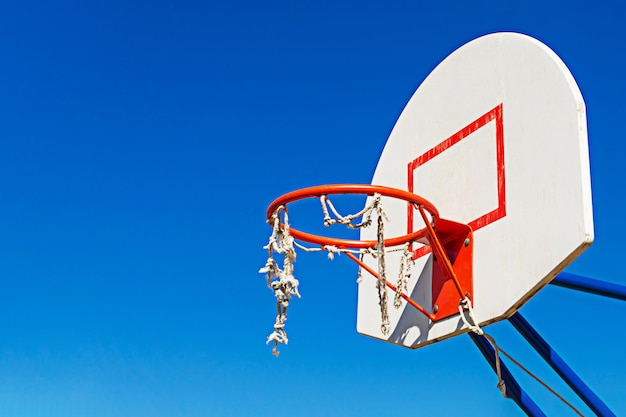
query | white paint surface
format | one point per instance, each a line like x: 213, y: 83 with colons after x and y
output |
x: 548, y: 220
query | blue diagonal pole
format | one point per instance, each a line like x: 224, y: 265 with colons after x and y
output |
x: 558, y: 364
x: 513, y: 389
x: 594, y: 286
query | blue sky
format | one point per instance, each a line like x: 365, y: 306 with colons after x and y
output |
x: 140, y: 145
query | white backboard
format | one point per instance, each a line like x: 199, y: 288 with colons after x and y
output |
x: 495, y: 137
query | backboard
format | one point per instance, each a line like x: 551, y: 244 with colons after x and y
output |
x: 496, y: 138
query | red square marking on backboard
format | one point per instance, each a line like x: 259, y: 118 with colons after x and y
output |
x: 483, y: 220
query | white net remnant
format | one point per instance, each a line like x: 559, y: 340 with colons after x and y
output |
x: 285, y: 285
x: 281, y: 281
x: 375, y: 205
x: 381, y: 284
x: 406, y: 262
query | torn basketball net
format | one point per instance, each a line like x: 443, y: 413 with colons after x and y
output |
x: 283, y: 282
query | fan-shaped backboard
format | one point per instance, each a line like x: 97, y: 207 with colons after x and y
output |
x: 496, y: 138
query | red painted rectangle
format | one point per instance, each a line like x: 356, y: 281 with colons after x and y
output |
x: 495, y: 114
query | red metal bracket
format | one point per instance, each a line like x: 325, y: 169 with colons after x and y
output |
x: 452, y: 244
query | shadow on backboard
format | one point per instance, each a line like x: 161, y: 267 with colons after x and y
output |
x: 413, y: 327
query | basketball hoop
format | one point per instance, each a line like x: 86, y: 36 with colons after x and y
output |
x: 362, y: 189
x: 449, y: 241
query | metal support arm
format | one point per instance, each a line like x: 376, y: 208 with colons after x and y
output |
x: 513, y: 389
x: 560, y: 367
x: 593, y: 286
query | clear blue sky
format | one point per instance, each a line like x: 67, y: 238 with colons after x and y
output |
x: 140, y: 143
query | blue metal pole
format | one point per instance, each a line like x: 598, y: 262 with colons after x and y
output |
x: 594, y: 286
x: 554, y: 360
x: 513, y: 389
